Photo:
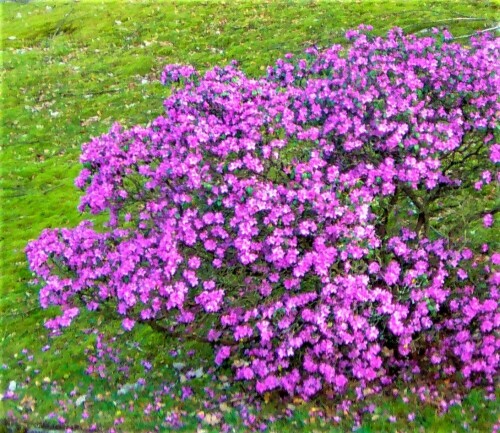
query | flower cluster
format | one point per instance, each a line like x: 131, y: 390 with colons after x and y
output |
x: 294, y: 221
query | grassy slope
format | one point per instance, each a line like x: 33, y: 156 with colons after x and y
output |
x: 71, y: 69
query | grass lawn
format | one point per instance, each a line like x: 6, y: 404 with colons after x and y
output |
x: 72, y: 68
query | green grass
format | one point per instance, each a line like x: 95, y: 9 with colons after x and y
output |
x: 71, y: 69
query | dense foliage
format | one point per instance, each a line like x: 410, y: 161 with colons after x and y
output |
x: 302, y: 223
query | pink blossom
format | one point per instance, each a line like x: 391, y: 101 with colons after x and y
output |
x: 128, y: 324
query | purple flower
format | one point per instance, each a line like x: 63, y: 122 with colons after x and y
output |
x: 488, y: 220
x: 222, y: 354
x: 128, y: 324
x: 391, y: 275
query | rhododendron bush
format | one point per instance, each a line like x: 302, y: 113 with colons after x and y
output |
x: 304, y: 223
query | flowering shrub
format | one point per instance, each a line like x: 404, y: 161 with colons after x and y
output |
x: 295, y: 222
